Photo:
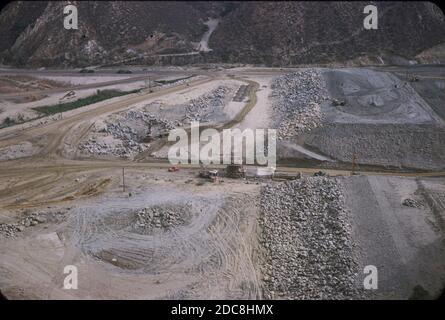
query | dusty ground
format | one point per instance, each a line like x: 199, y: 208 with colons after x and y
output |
x: 405, y: 243
x: 58, y: 208
x: 19, y: 93
x: 210, y: 256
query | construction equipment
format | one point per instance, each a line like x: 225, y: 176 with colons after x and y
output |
x: 413, y: 78
x: 173, y: 169
x: 235, y: 171
x: 212, y: 175
x: 337, y: 102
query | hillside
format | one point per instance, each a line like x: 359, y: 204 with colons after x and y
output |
x: 271, y: 33
x: 311, y: 32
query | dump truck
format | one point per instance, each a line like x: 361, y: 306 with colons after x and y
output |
x: 212, y: 175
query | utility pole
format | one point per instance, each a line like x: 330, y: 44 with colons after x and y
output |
x: 123, y: 179
x: 147, y: 84
x: 354, y: 163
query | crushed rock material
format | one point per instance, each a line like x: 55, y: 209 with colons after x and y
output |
x: 296, y: 102
x: 307, y: 239
x: 160, y: 218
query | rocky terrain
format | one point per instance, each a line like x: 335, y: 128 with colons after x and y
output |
x: 90, y: 187
x: 399, y: 145
x: 205, y: 107
x: 29, y: 219
x: 161, y: 218
x: 307, y: 237
x: 338, y: 114
x: 289, y: 33
x: 359, y: 176
x: 108, y: 31
x: 129, y: 133
x: 270, y: 33
x: 125, y: 134
x: 297, y: 99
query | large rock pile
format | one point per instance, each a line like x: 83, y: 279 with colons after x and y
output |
x: 306, y: 234
x: 130, y: 132
x: 161, y: 218
x: 201, y: 108
x: 123, y: 128
x: 296, y: 102
x: 408, y: 202
x: 10, y: 230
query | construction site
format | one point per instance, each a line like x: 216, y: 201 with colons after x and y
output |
x: 359, y: 181
x: 352, y: 206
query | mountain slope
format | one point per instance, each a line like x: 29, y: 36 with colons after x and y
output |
x: 271, y: 33
x: 307, y: 32
x: 106, y: 30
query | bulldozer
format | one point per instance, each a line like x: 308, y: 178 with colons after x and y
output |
x: 413, y: 78
x: 211, y: 175
x: 338, y: 102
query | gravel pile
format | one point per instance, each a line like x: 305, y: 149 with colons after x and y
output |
x: 130, y: 132
x: 399, y: 145
x: 9, y: 230
x: 307, y: 239
x: 201, y: 108
x: 408, y: 202
x: 93, y: 146
x: 160, y: 217
x: 297, y: 97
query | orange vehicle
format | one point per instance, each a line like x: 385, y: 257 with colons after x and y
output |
x: 173, y: 169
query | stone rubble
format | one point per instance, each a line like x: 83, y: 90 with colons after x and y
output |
x: 307, y: 240
x: 130, y: 140
x: 10, y: 230
x: 412, y: 203
x: 296, y: 102
x: 131, y: 129
x: 160, y: 217
x: 201, y: 108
